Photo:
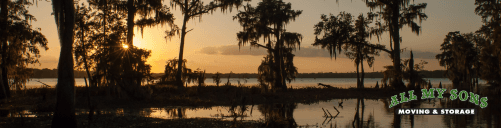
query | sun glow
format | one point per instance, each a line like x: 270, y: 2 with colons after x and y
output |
x: 125, y: 46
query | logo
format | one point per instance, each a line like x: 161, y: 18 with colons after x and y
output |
x: 430, y: 94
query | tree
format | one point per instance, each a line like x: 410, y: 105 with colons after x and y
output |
x: 5, y: 90
x: 267, y: 21
x: 217, y: 78
x: 458, y: 57
x: 338, y: 33
x: 395, y: 14
x: 490, y: 40
x: 116, y: 65
x: 171, y: 72
x: 151, y: 13
x: 192, y: 9
x: 19, y: 47
x: 412, y: 72
x: 64, y: 116
x: 83, y: 42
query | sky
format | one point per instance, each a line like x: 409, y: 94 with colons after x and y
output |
x: 212, y: 44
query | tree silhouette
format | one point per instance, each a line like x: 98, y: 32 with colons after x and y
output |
x: 5, y: 92
x: 267, y: 21
x: 19, y: 46
x: 412, y: 72
x: 490, y: 40
x: 64, y: 116
x: 105, y: 38
x: 338, y: 33
x: 151, y: 13
x: 83, y: 42
x: 192, y: 9
x: 458, y: 57
x: 217, y: 78
x: 393, y: 15
x: 190, y: 75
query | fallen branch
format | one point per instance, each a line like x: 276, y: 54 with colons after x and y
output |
x: 325, y: 85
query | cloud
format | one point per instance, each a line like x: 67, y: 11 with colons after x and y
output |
x: 417, y: 54
x: 303, y: 52
x: 247, y: 50
x: 233, y: 50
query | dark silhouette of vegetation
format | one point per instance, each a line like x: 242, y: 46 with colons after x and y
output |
x: 393, y: 15
x: 413, y: 73
x: 459, y: 57
x: 217, y: 78
x: 192, y: 9
x: 278, y: 115
x: 169, y: 77
x: 5, y: 89
x: 82, y: 44
x: 490, y: 40
x: 228, y: 82
x: 64, y: 15
x: 20, y: 45
x: 151, y: 13
x: 101, y: 33
x: 52, y: 73
x: 171, y: 71
x: 424, y: 73
x: 268, y: 21
x: 200, y: 77
x: 338, y: 33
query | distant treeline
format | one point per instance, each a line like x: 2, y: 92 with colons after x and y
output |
x: 426, y: 74
x: 52, y: 73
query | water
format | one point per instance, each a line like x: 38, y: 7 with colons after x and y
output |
x: 375, y: 113
x: 298, y: 83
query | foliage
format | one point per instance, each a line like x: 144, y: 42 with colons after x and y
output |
x: 217, y: 78
x: 393, y: 15
x: 338, y: 33
x: 412, y: 73
x: 268, y: 21
x: 21, y: 45
x: 228, y: 82
x: 101, y: 36
x: 192, y: 9
x: 489, y: 40
x: 416, y: 74
x: 459, y: 56
x: 170, y: 72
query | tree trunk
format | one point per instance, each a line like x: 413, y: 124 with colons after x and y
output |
x: 397, y: 81
x: 358, y: 73
x: 411, y: 73
x: 3, y: 39
x: 363, y: 73
x: 85, y: 56
x: 131, y: 11
x: 64, y: 116
x: 279, y: 60
x: 179, y: 74
x: 277, y: 68
x: 5, y: 79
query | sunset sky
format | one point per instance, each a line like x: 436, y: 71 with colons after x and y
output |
x: 212, y: 45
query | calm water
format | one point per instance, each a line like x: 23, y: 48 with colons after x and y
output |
x: 298, y: 83
x: 375, y: 113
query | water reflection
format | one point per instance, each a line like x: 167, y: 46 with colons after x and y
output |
x: 367, y: 113
x: 278, y: 115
